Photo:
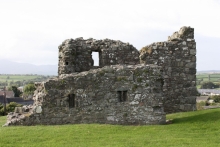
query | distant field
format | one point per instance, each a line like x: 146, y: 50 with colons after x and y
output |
x: 20, y: 80
x: 215, y: 78
x: 15, y: 78
x: 198, y: 128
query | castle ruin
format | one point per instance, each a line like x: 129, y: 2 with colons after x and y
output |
x: 128, y: 87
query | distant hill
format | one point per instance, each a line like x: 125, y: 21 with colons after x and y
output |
x: 208, y: 71
x: 9, y: 67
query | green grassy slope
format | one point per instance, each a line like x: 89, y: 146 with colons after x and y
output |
x: 199, y: 128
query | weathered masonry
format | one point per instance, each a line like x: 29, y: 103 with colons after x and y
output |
x: 177, y: 56
x: 128, y: 87
x: 76, y: 55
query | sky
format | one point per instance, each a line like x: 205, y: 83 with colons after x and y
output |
x: 32, y: 30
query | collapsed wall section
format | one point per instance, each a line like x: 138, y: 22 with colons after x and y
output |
x: 116, y: 94
x: 76, y: 55
x: 177, y: 56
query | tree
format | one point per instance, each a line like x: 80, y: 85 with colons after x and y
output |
x: 216, y: 98
x: 18, y: 83
x: 29, y: 88
x: 9, y: 88
x: 16, y: 91
x: 208, y: 85
x: 12, y: 82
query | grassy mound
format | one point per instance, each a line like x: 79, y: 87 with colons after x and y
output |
x: 199, y: 128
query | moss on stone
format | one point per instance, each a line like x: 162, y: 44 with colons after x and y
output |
x: 146, y: 71
x: 45, y: 91
x: 146, y: 50
x: 134, y: 87
x: 121, y: 78
x: 137, y: 73
x: 125, y: 115
x: 139, y: 80
x: 102, y: 73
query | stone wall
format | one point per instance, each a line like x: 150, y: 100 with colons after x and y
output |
x: 119, y: 90
x: 177, y: 56
x: 76, y: 55
x: 113, y: 94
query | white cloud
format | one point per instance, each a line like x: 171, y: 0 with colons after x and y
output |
x: 31, y: 30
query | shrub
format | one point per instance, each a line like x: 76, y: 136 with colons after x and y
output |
x: 1, y: 109
x: 216, y: 98
x: 1, y: 106
x: 9, y: 107
x: 200, y: 105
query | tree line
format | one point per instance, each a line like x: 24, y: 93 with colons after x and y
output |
x: 209, y: 85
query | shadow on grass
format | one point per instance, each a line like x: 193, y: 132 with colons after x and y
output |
x: 200, y: 116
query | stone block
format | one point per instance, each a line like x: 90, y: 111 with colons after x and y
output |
x: 191, y: 65
x: 18, y: 110
x: 192, y: 52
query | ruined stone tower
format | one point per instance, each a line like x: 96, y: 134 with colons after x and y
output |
x: 128, y: 87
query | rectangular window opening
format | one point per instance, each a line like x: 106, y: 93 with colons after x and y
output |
x: 95, y: 57
x: 119, y: 96
x: 122, y: 96
x: 72, y: 101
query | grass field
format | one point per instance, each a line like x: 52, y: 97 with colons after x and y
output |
x: 199, y: 128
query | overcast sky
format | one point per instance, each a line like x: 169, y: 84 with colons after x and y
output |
x: 32, y: 30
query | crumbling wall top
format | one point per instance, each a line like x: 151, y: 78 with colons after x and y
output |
x: 76, y: 55
x: 184, y: 33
